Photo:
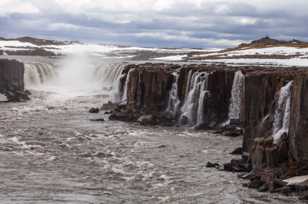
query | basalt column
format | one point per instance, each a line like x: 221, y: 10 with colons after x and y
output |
x: 148, y: 89
x: 12, y: 80
x: 298, y: 134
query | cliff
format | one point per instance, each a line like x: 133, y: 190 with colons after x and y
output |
x: 268, y: 105
x: 170, y: 93
x: 12, y: 80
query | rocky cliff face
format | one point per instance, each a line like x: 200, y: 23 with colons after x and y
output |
x: 12, y: 80
x: 268, y: 104
x: 299, y: 122
x: 185, y: 95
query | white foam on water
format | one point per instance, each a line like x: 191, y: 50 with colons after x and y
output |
x: 297, y: 180
x: 3, y: 98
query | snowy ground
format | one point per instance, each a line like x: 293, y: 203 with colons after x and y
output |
x: 94, y: 49
x: 281, y: 56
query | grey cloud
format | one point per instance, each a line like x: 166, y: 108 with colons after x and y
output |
x: 182, y: 25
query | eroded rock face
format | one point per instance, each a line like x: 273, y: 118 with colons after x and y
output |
x: 150, y: 86
x: 12, y: 80
x: 148, y: 89
x: 274, y: 116
x: 272, y: 110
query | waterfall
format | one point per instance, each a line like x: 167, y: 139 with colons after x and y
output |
x: 282, y: 113
x: 108, y: 74
x: 110, y: 77
x: 193, y: 108
x: 125, y: 90
x: 174, y: 101
x: 235, y: 102
x: 188, y: 83
x: 38, y: 74
x: 204, y: 93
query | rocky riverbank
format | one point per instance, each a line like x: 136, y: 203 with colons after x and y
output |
x: 266, y: 104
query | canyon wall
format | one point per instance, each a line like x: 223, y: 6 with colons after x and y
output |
x: 12, y: 80
x: 182, y: 94
x: 268, y: 105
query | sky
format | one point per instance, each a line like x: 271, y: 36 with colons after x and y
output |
x: 156, y: 23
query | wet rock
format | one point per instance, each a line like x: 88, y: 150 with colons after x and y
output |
x: 109, y: 106
x: 237, y: 151
x: 184, y: 120
x: 122, y: 116
x: 94, y: 110
x: 12, y: 80
x: 212, y: 165
x: 147, y: 120
x: 98, y: 120
x: 102, y: 155
x: 237, y: 165
x: 233, y: 132
x: 304, y: 196
x: 162, y: 146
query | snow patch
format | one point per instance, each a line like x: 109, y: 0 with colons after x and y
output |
x: 299, y: 62
x: 171, y: 58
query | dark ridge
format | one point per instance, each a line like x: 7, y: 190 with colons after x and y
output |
x: 39, y: 41
x: 270, y: 42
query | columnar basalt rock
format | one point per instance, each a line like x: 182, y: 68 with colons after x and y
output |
x: 272, y: 107
x: 274, y: 116
x: 12, y: 80
x: 298, y: 139
x: 149, y: 87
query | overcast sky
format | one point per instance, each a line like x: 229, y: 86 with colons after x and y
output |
x: 156, y: 23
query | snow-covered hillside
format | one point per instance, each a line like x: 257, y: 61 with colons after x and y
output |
x: 265, y: 51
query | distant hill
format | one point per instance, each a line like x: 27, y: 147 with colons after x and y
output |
x: 39, y: 41
x: 270, y: 42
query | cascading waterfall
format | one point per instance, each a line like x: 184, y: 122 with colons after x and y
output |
x: 125, y: 90
x: 204, y: 93
x: 110, y: 76
x: 282, y: 113
x: 235, y: 102
x: 174, y: 101
x: 38, y: 73
x: 188, y: 83
x: 193, y: 108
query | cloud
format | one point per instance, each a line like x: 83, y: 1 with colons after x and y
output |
x: 17, y: 6
x: 164, y: 23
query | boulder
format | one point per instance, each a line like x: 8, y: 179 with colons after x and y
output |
x: 147, y: 120
x: 94, y: 110
x: 109, y: 106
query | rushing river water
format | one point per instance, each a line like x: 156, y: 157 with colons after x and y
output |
x: 51, y: 152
